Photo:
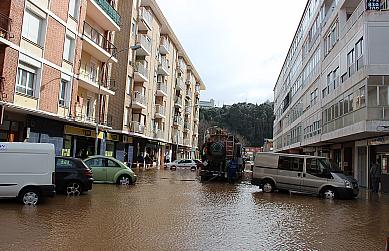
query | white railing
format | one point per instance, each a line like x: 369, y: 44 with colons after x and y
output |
x: 139, y: 98
x: 178, y: 101
x: 137, y: 127
x: 165, y: 43
x: 197, y: 89
x: 145, y: 41
x: 164, y: 64
x: 159, y: 109
x: 141, y: 67
x: 180, y: 84
x: 178, y: 120
x: 354, y: 18
x: 145, y: 14
x: 162, y: 87
x: 181, y: 65
x: 158, y: 133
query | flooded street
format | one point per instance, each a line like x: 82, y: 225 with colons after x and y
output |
x: 169, y: 210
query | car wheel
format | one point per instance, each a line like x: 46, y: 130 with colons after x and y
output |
x: 74, y: 188
x: 30, y: 196
x: 268, y: 186
x: 124, y: 180
x: 329, y: 193
x: 173, y: 168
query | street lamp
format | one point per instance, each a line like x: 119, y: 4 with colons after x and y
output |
x: 133, y: 48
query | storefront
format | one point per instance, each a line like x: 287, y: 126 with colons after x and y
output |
x: 80, y: 142
x: 379, y: 151
x: 13, y: 127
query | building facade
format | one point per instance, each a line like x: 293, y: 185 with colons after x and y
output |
x: 52, y: 59
x: 207, y: 104
x: 156, y: 102
x: 331, y: 97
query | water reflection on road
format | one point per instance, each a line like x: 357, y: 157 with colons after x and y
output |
x: 169, y: 210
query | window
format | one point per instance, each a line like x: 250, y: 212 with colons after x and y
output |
x: 133, y: 27
x: 26, y: 79
x: 316, y: 168
x: 346, y: 103
x: 290, y: 164
x: 111, y: 163
x: 359, y: 53
x: 129, y: 85
x: 335, y: 77
x: 350, y: 102
x: 33, y: 27
x: 63, y: 93
x: 64, y: 163
x: 350, y: 63
x: 73, y: 8
x: 126, y: 116
x: 362, y: 96
x: 68, y: 52
x: 98, y: 162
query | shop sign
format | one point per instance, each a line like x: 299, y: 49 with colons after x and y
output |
x: 373, y: 5
x: 78, y: 131
x: 378, y: 141
x: 112, y: 137
x: 127, y: 139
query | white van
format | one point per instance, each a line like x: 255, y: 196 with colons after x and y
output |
x: 27, y: 171
x: 302, y: 174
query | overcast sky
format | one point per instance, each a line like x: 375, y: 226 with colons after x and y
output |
x: 238, y: 47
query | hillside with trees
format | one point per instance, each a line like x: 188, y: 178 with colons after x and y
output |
x: 251, y: 123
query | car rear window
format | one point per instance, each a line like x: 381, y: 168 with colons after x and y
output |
x: 64, y: 163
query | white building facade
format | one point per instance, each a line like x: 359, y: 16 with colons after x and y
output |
x: 332, y: 97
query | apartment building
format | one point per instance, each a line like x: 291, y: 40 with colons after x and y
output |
x: 331, y: 97
x: 55, y: 63
x: 155, y: 109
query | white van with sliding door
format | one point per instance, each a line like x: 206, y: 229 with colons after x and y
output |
x: 302, y: 174
x: 27, y: 171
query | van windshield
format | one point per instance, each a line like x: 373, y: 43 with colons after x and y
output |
x: 330, y: 165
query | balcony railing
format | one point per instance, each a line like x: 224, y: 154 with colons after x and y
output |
x: 197, y: 89
x: 164, y: 44
x: 99, y: 39
x: 80, y: 116
x: 354, y: 18
x: 188, y: 109
x: 158, y: 133
x: 187, y: 126
x: 5, y: 26
x: 191, y: 79
x: 180, y: 84
x: 178, y: 101
x: 178, y: 120
x: 139, y: 98
x: 109, y: 10
x: 141, y: 68
x: 145, y: 41
x: 146, y: 15
x: 181, y: 65
x: 162, y: 87
x: 159, y: 109
x: 187, y: 142
x: 137, y: 127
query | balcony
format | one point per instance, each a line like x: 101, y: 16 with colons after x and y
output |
x: 160, y: 112
x: 163, y: 67
x: 5, y: 27
x: 158, y: 133
x: 197, y: 90
x: 161, y: 90
x: 181, y: 65
x: 97, y: 45
x: 89, y: 80
x: 164, y: 47
x: 189, y: 94
x: 146, y: 19
x: 82, y: 117
x: 187, y: 142
x: 144, y: 42
x: 195, y: 130
x: 191, y: 79
x: 141, y: 72
x: 187, y: 126
x: 188, y: 110
x: 103, y: 13
x: 180, y: 84
x: 139, y: 101
x: 137, y: 127
x: 177, y: 121
x: 178, y: 102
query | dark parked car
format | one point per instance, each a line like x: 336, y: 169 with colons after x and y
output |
x: 72, y: 176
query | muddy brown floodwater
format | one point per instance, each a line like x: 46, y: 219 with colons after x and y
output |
x: 169, y: 210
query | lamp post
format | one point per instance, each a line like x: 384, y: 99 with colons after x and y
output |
x: 133, y: 48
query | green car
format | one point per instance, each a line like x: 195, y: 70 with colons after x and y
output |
x: 110, y: 170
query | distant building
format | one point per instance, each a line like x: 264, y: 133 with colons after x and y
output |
x: 268, y: 145
x: 207, y: 104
